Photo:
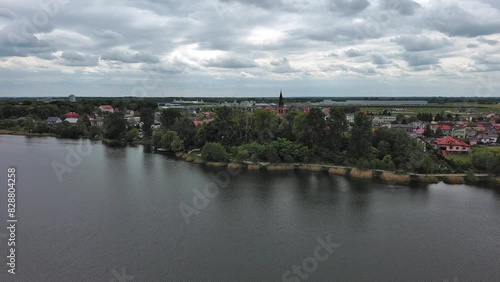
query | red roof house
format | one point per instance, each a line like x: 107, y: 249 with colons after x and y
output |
x: 445, y: 128
x: 71, y: 115
x: 107, y: 108
x: 451, y: 145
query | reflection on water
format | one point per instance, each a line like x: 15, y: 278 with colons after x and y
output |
x: 120, y: 209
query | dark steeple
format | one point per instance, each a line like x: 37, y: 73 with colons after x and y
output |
x: 280, y: 101
x: 281, y: 105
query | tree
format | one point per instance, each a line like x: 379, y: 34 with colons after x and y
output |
x: 186, y: 130
x: 115, y: 126
x: 147, y: 119
x: 167, y: 139
x: 177, y: 145
x: 337, y: 125
x: 361, y: 135
x: 214, y: 152
x: 264, y: 125
x: 310, y: 128
x: 94, y: 131
x: 286, y: 126
x: 229, y: 127
x: 400, y: 118
x: 439, y: 132
x: 131, y: 135
x: 428, y: 165
x: 413, y: 119
x: 428, y: 131
x: 299, y: 126
x: 168, y: 118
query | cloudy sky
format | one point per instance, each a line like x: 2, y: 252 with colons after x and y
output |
x: 241, y: 48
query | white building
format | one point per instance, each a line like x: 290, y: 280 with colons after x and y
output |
x: 71, y: 120
x: 383, y: 119
x: 72, y: 98
x: 350, y: 118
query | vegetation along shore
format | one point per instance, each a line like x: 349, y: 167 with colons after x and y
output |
x: 391, y: 141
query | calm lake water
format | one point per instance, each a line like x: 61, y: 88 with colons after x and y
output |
x: 118, y: 210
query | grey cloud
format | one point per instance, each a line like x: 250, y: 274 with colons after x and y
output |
x: 368, y: 70
x: 168, y: 69
x: 266, y: 4
x: 420, y: 42
x: 131, y: 58
x: 353, y: 53
x: 472, y: 45
x: 12, y: 44
x: 379, y: 59
x: 231, y: 62
x: 416, y: 59
x: 282, y: 66
x: 404, y: 7
x: 487, y: 41
x: 455, y: 21
x: 486, y: 63
x: 348, y: 7
x: 79, y: 60
x: 108, y: 34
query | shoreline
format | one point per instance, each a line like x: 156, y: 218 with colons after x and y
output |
x: 27, y: 134
x: 376, y: 175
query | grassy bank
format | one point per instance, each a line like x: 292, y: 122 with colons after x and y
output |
x: 388, y: 177
x: 20, y: 133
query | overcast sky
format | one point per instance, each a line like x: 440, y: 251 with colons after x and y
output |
x: 241, y: 48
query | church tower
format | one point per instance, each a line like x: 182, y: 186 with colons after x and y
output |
x: 281, y: 105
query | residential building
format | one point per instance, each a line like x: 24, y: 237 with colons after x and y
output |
x: 71, y: 120
x: 408, y: 128
x: 71, y: 115
x: 450, y: 145
x: 54, y: 120
x: 383, y: 119
x: 72, y: 98
x: 107, y: 109
x: 460, y: 133
x: 445, y: 128
x: 350, y: 118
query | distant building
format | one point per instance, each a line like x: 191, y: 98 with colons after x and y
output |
x: 408, y: 128
x: 350, y: 118
x: 383, y: 119
x: 247, y: 104
x: 170, y: 106
x: 385, y: 103
x: 71, y: 115
x: 107, y: 109
x: 71, y: 120
x: 53, y: 120
x: 72, y: 98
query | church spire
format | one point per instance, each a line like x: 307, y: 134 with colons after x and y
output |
x: 281, y: 105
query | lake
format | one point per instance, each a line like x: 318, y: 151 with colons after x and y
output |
x: 88, y: 212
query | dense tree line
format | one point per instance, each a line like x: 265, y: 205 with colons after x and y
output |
x: 314, y: 137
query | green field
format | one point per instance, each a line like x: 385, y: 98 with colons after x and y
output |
x: 475, y: 150
x: 437, y: 109
x: 460, y: 158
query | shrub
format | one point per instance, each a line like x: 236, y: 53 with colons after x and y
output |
x: 214, y: 152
